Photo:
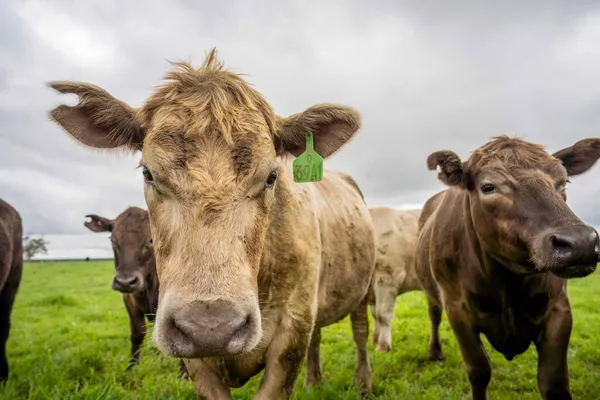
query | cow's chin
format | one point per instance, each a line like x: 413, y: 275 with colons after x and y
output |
x: 574, y: 271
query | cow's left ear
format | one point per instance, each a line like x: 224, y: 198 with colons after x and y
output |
x: 580, y: 157
x: 331, y: 125
x: 98, y: 224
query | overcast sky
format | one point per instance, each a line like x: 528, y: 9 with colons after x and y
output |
x: 426, y: 76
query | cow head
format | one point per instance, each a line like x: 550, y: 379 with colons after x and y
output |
x: 212, y: 150
x: 132, y: 247
x: 517, y: 203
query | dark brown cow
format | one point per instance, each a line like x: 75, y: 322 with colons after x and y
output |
x: 135, y: 270
x: 11, y: 268
x: 496, y: 249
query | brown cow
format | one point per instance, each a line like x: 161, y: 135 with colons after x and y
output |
x: 135, y: 270
x: 496, y: 249
x: 11, y: 269
x: 251, y: 264
x: 396, y: 234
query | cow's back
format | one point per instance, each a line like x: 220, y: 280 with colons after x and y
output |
x: 429, y: 207
x: 348, y: 246
x: 437, y: 210
x: 11, y: 246
x: 396, y: 233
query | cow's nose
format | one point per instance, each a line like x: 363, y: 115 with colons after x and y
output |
x: 572, y: 251
x: 211, y: 328
x: 125, y: 283
x: 575, y: 245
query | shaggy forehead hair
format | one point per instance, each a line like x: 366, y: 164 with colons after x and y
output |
x: 509, y: 153
x: 209, y: 99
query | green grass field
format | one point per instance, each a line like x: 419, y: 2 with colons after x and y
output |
x: 70, y: 340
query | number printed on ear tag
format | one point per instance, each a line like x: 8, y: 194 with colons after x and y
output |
x: 308, y: 166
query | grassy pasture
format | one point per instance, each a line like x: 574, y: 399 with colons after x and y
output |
x: 70, y: 340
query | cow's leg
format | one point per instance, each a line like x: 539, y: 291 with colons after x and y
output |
x: 477, y: 363
x: 6, y: 302
x: 553, y: 372
x: 375, y: 337
x: 7, y: 299
x: 385, y: 302
x: 313, y: 361
x: 372, y: 301
x: 285, y: 354
x: 207, y: 382
x: 137, y: 327
x: 183, y: 372
x: 360, y: 330
x: 435, y: 317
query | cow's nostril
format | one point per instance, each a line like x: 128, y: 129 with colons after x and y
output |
x: 560, y: 243
x: 133, y: 280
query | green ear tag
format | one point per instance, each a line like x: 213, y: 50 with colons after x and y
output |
x: 308, y: 166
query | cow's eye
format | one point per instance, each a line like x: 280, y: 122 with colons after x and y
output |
x: 271, y: 180
x: 487, y: 188
x: 148, y: 178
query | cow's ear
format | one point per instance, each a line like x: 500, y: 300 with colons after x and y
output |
x: 580, y: 157
x: 99, y: 224
x: 451, y: 168
x: 98, y: 120
x: 331, y: 125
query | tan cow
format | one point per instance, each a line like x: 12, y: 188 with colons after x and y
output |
x: 396, y: 234
x: 251, y: 265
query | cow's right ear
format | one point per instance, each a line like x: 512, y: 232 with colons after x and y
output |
x: 99, y: 224
x: 451, y: 168
x: 98, y: 120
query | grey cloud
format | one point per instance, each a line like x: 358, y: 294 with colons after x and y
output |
x: 425, y: 76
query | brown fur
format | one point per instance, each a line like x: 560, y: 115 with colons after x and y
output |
x: 134, y: 259
x: 494, y: 259
x: 11, y: 269
x: 396, y: 234
x: 249, y: 271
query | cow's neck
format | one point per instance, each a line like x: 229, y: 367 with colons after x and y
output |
x: 508, y: 308
x: 148, y: 298
x: 153, y: 285
x: 493, y: 269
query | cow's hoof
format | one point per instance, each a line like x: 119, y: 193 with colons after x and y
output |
x: 130, y: 366
x: 384, y: 347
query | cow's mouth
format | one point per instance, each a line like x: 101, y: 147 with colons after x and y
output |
x: 123, y: 290
x: 575, y: 271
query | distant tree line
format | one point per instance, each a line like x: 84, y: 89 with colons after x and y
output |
x: 34, y: 246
